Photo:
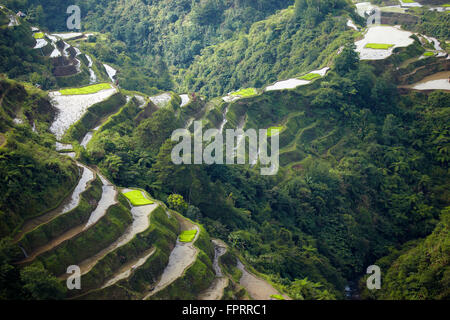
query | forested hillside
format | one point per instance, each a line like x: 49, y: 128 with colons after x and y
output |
x: 86, y: 120
x: 353, y: 188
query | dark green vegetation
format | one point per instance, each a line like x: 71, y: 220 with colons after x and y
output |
x: 35, y: 179
x: 197, y: 277
x: 214, y: 46
x: 161, y: 236
x: 419, y: 269
x: 18, y: 58
x: 364, y: 166
x: 203, y: 45
x: 364, y: 169
x: 57, y: 227
x: 286, y: 44
x: 94, y: 115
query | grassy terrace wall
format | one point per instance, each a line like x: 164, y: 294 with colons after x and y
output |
x: 94, y: 114
x: 422, y: 68
x: 90, y: 242
x: 197, y: 278
x: 48, y: 49
x: 77, y: 80
x: 161, y: 235
x: 138, y: 283
x: 193, y: 108
x: 58, y: 226
x: 271, y: 107
x: 34, y: 191
x: 129, y: 111
x: 398, y: 56
x: 293, y: 125
x: 228, y: 262
x: 174, y: 102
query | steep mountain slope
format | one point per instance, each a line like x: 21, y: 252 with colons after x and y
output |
x: 285, y: 44
x: 364, y: 156
x: 27, y: 160
x: 419, y: 270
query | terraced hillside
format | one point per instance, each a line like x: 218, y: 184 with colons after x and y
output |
x: 362, y: 121
x: 124, y: 251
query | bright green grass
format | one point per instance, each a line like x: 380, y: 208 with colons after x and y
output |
x: 277, y: 296
x: 310, y: 76
x: 428, y: 54
x: 407, y: 1
x: 188, y: 235
x: 274, y: 130
x: 39, y: 35
x: 137, y: 198
x: 86, y: 90
x: 244, y: 93
x: 382, y: 46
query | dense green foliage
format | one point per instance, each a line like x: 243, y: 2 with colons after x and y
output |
x: 364, y: 164
x: 19, y: 59
x: 161, y: 236
x: 282, y: 46
x: 34, y: 178
x: 365, y: 170
x: 77, y: 217
x: 88, y: 243
x: 419, y: 269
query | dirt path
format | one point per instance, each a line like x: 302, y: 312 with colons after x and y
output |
x: 141, y: 221
x: 67, y: 205
x: 13, y: 22
x: 181, y: 258
x: 108, y: 199
x: 215, y: 291
x: 437, y: 81
x: 257, y: 288
x: 127, y: 269
x: 184, y: 100
x: 225, y: 120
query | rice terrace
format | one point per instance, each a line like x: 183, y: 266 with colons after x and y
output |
x: 261, y: 153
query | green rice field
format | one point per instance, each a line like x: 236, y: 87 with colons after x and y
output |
x: 188, y: 235
x: 380, y: 46
x: 274, y: 130
x: 38, y: 35
x: 137, y: 198
x: 250, y: 92
x: 310, y: 76
x: 85, y: 90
